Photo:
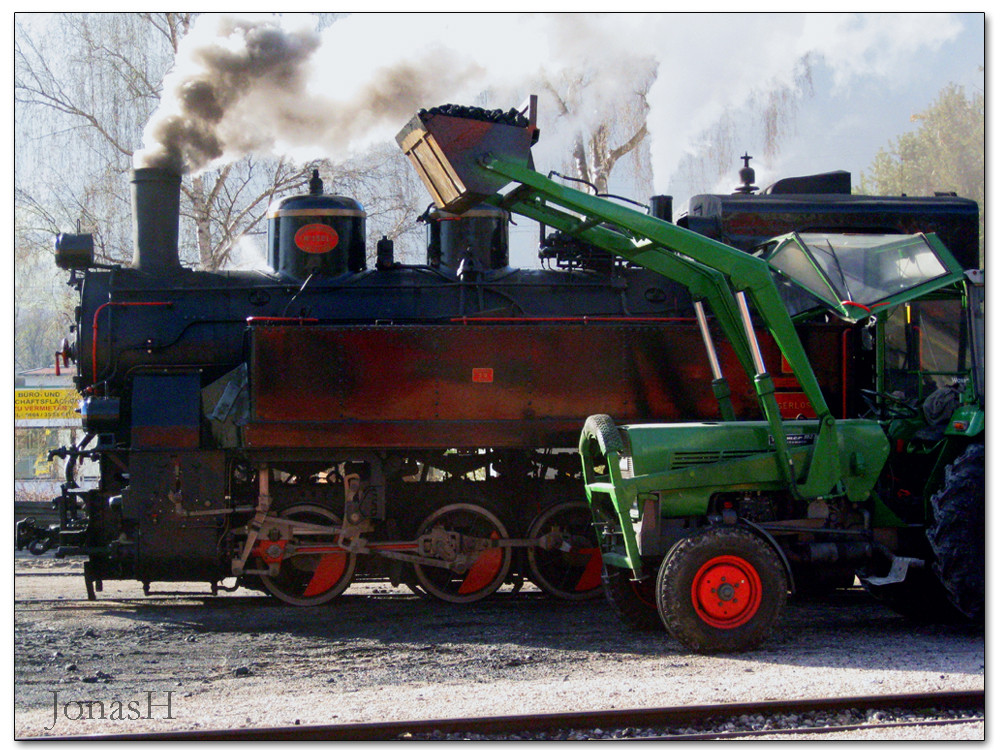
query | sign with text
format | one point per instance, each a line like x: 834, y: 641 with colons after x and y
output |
x: 46, y: 407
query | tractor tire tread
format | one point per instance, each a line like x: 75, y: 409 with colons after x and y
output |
x: 957, y: 533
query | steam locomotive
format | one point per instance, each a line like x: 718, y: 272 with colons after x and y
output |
x: 296, y: 428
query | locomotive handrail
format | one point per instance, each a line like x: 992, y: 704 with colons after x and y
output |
x: 253, y: 319
x: 97, y: 312
x: 466, y: 319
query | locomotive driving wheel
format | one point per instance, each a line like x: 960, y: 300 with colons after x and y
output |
x: 567, y: 564
x: 721, y: 590
x: 461, y: 535
x: 307, y: 580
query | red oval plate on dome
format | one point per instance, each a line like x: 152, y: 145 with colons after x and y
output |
x: 316, y: 238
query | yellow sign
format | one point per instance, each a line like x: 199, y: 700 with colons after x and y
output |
x: 46, y: 403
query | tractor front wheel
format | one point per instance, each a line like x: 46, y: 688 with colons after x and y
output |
x: 721, y: 590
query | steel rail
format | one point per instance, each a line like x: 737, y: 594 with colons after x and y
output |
x: 672, y: 716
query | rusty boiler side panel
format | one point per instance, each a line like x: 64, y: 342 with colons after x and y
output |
x: 479, y: 386
x: 470, y: 386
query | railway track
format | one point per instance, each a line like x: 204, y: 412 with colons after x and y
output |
x: 669, y: 723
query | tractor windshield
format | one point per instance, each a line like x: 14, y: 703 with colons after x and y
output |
x: 857, y: 274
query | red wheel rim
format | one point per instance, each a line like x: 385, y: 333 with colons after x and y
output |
x: 726, y: 592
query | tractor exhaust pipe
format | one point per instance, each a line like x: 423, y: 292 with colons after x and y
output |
x: 156, y: 194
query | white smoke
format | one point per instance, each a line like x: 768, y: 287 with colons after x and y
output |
x: 716, y: 67
x: 274, y: 86
x: 249, y: 254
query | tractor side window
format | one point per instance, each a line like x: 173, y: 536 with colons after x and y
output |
x: 924, y: 347
x: 943, y: 353
x: 897, y: 349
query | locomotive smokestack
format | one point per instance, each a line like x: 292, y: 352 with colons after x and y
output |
x: 156, y: 194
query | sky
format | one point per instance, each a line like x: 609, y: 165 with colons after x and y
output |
x: 844, y: 126
x: 870, y: 74
x: 334, y: 92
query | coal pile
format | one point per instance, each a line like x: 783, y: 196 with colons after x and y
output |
x: 497, y: 116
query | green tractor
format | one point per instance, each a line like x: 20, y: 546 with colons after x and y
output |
x: 704, y: 530
x: 706, y: 527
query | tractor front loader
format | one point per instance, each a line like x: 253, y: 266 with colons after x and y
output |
x: 705, y: 527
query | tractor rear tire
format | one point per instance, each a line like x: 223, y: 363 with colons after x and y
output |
x: 957, y: 534
x: 721, y: 590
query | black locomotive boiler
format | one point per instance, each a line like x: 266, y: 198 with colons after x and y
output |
x: 295, y: 428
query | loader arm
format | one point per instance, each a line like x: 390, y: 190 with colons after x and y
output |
x: 721, y: 276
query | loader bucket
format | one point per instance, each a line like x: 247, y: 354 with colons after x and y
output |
x: 445, y: 150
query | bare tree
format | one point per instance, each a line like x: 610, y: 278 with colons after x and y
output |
x: 619, y: 131
x: 82, y: 90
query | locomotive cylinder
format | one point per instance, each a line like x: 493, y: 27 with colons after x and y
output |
x: 100, y: 414
x: 156, y: 194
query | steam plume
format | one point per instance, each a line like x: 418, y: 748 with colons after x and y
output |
x: 251, y: 86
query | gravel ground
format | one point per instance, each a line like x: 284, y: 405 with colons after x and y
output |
x: 379, y: 654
